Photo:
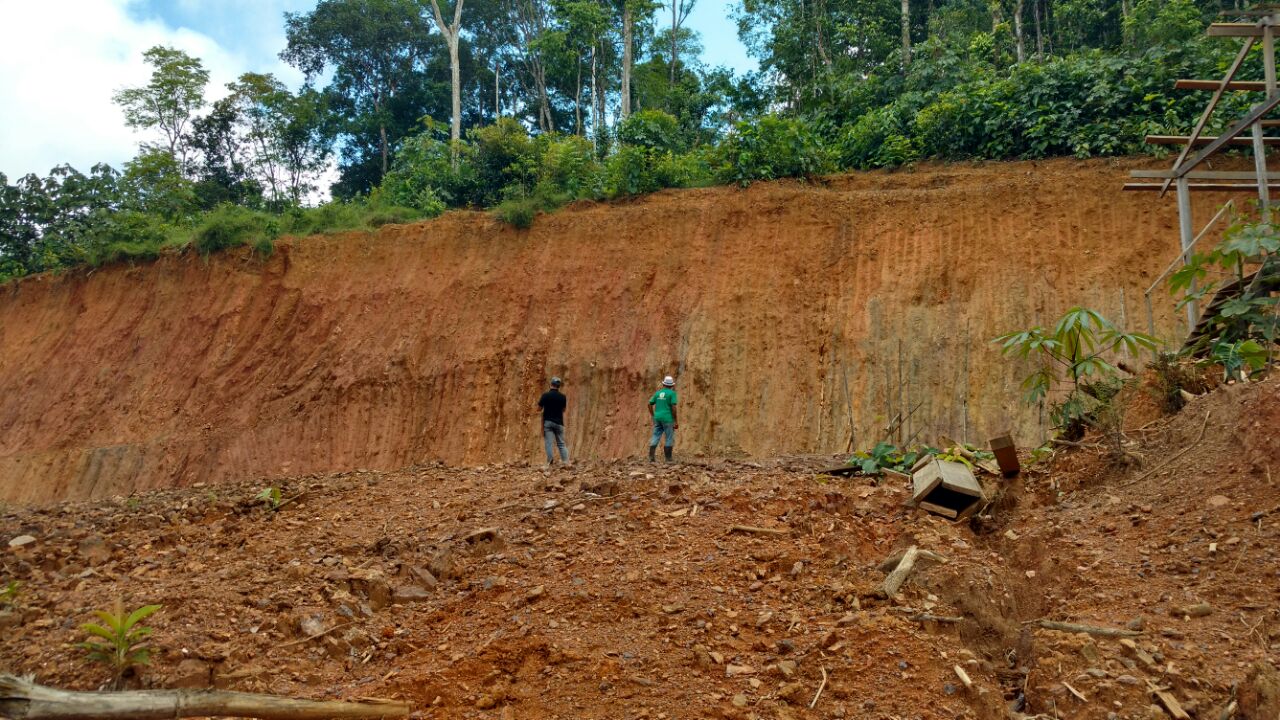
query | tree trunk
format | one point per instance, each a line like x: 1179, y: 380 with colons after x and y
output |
x: 906, y: 33
x: 497, y: 103
x: 675, y: 30
x: 382, y: 141
x: 1035, y: 7
x: 626, y: 60
x: 577, y: 102
x: 455, y: 76
x: 1019, y: 45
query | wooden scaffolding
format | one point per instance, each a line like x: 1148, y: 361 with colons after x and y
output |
x: 1184, y: 175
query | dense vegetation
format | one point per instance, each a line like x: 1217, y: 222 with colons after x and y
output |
x: 547, y: 101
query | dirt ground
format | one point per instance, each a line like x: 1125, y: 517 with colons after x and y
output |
x: 617, y: 589
x: 835, y: 305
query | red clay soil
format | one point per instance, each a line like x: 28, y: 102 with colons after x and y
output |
x: 795, y: 315
x: 621, y: 590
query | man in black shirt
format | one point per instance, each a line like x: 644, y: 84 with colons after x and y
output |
x: 553, y: 403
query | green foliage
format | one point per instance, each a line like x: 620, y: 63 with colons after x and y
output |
x: 1250, y: 319
x: 168, y: 102
x: 1073, y: 351
x: 886, y: 456
x: 119, y: 641
x: 9, y: 594
x: 769, y: 148
x: 270, y: 497
x: 231, y: 226
x: 651, y: 130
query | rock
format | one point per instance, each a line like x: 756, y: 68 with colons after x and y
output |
x: 1217, y: 501
x: 732, y: 670
x: 405, y: 594
x: 311, y: 625
x: 534, y: 594
x: 786, y: 646
x: 672, y: 608
x: 486, y: 702
x: 793, y: 693
x: 93, y: 550
x: 850, y: 619
x: 949, y: 689
x: 1090, y: 652
x: 1138, y: 623
x: 21, y: 540
x: 1198, y: 610
x: 423, y: 576
x: 508, y: 713
x: 718, y: 658
x: 372, y: 586
x: 1128, y: 680
x: 1260, y: 692
x: 786, y: 668
x: 192, y: 673
x: 739, y: 700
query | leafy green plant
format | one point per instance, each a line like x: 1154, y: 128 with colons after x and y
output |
x: 884, y: 456
x: 271, y: 498
x: 772, y: 147
x: 120, y: 641
x: 1242, y: 330
x: 9, y: 594
x: 1073, y: 351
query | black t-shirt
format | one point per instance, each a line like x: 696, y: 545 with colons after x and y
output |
x: 552, y: 403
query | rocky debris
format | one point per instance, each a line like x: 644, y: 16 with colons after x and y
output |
x: 21, y: 541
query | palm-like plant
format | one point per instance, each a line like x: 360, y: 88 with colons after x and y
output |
x: 119, y: 642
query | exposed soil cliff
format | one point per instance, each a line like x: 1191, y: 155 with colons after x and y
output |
x: 793, y: 315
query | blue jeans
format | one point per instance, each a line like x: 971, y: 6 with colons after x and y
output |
x: 663, y: 428
x: 554, y: 431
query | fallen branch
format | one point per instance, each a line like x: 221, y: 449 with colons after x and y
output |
x: 24, y: 700
x: 964, y: 676
x: 926, y: 617
x: 820, y: 687
x: 1090, y: 629
x: 1184, y: 451
x: 1075, y: 692
x: 320, y: 634
x: 1072, y: 443
x: 749, y: 530
x: 893, y: 583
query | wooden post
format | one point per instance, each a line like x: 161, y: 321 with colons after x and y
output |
x: 1186, y: 233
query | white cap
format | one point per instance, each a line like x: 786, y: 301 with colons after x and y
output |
x: 669, y: 381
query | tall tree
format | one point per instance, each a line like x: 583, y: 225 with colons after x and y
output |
x: 171, y: 99
x: 680, y: 10
x: 451, y: 33
x: 375, y: 48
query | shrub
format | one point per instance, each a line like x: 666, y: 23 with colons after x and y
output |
x: 229, y: 226
x: 502, y: 155
x: 518, y: 212
x: 569, y: 169
x: 771, y: 148
x: 650, y: 129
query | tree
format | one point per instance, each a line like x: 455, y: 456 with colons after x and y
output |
x: 680, y: 10
x: 170, y: 100
x: 375, y: 48
x: 281, y: 132
x: 451, y: 33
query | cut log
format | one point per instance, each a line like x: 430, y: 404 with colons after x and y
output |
x: 893, y: 583
x: 1006, y: 454
x: 24, y: 700
x: 1090, y: 629
x: 891, y: 562
x: 964, y: 676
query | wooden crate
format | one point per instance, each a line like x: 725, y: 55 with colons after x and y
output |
x: 946, y: 488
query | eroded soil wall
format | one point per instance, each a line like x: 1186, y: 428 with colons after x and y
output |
x: 793, y: 314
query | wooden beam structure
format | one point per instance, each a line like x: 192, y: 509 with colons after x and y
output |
x: 1237, y: 30
x: 1247, y: 85
x: 1202, y: 187
x: 1202, y: 175
x: 1205, y: 140
x: 1236, y: 128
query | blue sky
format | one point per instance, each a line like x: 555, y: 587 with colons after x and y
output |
x: 58, y: 108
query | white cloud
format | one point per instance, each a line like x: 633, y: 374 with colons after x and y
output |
x: 60, y: 63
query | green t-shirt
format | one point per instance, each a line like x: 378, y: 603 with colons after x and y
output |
x: 663, y: 402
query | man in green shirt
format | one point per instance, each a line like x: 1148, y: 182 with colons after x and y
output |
x: 662, y: 408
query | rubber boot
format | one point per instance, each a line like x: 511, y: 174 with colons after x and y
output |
x: 653, y: 449
x: 667, y: 452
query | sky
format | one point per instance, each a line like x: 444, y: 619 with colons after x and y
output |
x: 61, y: 60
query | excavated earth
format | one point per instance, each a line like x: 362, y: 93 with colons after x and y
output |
x: 799, y: 317
x: 618, y: 589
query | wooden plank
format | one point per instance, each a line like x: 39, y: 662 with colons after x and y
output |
x: 1205, y: 140
x: 1251, y: 117
x: 1203, y: 187
x: 945, y: 512
x: 1169, y: 701
x: 1246, y: 85
x: 751, y: 530
x: 1203, y: 175
x: 1090, y: 629
x: 1239, y: 30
